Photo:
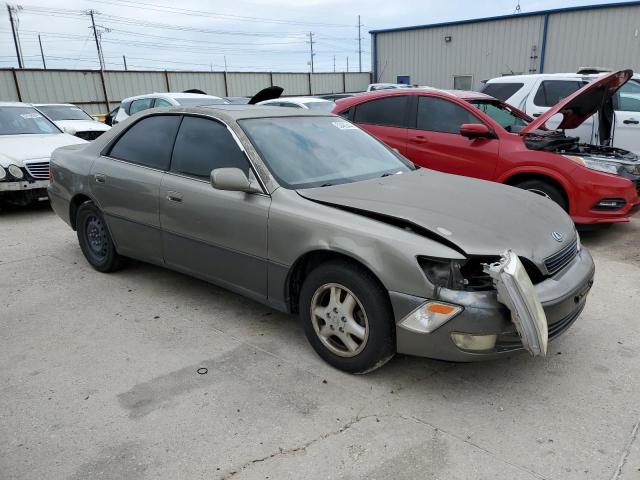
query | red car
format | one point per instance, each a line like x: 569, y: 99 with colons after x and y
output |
x: 472, y: 134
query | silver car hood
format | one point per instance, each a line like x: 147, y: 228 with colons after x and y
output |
x: 479, y: 217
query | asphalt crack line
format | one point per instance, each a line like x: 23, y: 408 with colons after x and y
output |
x: 475, y: 445
x: 301, y: 448
x: 626, y: 452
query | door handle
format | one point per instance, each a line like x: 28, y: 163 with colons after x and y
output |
x: 536, y: 114
x: 418, y: 139
x: 100, y: 178
x: 631, y: 121
x: 174, y: 197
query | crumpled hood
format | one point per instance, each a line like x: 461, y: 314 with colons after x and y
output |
x: 584, y: 103
x: 479, y: 217
x: 15, y: 149
x: 83, y: 125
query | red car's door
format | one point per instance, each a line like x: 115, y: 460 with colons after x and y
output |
x: 386, y: 119
x: 436, y: 143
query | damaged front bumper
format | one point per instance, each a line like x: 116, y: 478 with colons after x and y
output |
x: 484, y: 318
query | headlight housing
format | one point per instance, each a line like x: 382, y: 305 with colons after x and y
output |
x: 3, y: 173
x: 16, y: 172
x: 597, y: 164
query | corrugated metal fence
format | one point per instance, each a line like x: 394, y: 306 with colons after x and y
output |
x: 99, y: 92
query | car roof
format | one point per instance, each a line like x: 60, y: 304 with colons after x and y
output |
x: 461, y: 94
x: 239, y: 112
x: 172, y: 95
x: 54, y: 105
x: 298, y: 99
x: 15, y: 104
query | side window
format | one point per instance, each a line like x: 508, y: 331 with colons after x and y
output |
x: 439, y: 115
x: 162, y: 103
x: 290, y: 105
x: 348, y: 114
x: 139, y: 105
x: 389, y: 111
x: 501, y: 91
x: 202, y: 145
x: 551, y: 92
x: 148, y: 142
x: 628, y: 97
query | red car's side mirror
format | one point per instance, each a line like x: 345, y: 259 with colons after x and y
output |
x: 475, y: 130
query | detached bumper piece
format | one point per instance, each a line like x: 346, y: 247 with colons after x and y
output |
x: 517, y: 293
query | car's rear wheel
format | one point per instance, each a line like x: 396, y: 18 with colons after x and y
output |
x: 545, y: 189
x: 347, y: 317
x: 95, y: 240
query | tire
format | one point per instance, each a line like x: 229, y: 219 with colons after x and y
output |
x: 362, y: 302
x: 95, y: 241
x: 545, y: 189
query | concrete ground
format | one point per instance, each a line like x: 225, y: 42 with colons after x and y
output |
x: 99, y: 380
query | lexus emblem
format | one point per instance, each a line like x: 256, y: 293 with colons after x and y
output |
x: 557, y: 236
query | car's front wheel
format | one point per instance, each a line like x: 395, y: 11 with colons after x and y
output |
x: 95, y: 240
x: 544, y: 189
x: 347, y: 317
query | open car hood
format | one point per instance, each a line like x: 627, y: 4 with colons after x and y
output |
x: 576, y: 108
x: 268, y: 93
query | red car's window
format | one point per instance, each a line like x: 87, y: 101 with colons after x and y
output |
x: 439, y: 115
x: 388, y: 111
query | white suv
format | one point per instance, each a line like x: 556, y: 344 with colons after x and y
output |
x: 535, y: 94
x: 132, y: 105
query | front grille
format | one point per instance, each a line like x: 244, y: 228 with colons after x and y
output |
x: 558, y: 261
x: 38, y: 170
x: 91, y: 135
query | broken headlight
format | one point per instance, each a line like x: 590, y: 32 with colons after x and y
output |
x: 467, y: 274
x: 3, y: 173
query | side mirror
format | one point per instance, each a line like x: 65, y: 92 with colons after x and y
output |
x: 234, y: 180
x: 69, y: 130
x: 475, y: 130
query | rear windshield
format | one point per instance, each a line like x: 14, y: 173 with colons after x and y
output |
x: 64, y: 112
x: 24, y: 121
x: 324, y: 106
x: 501, y: 91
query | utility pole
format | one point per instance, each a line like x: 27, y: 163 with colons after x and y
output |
x: 97, y: 36
x: 359, y: 45
x: 310, y: 42
x: 334, y: 63
x: 14, y: 29
x: 44, y: 64
x: 347, y: 64
x: 124, y: 60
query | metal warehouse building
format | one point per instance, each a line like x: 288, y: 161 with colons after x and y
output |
x: 462, y: 54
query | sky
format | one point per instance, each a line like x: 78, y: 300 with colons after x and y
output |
x: 249, y: 35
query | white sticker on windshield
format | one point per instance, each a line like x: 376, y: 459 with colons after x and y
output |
x: 345, y: 125
x: 30, y: 115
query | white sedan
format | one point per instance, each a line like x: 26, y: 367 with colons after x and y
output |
x: 27, y: 139
x: 73, y: 120
x: 309, y: 103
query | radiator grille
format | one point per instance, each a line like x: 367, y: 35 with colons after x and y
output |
x: 38, y: 169
x: 558, y: 261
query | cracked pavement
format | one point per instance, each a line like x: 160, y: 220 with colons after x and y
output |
x: 99, y: 380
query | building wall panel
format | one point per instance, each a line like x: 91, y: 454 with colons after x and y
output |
x: 326, y: 83
x: 247, y: 84
x: 357, y: 82
x: 8, y: 91
x: 40, y: 86
x: 210, y: 82
x: 293, y: 83
x: 121, y: 85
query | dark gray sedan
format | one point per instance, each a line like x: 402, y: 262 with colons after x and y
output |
x: 307, y: 213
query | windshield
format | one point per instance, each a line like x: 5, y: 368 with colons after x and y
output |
x: 201, y: 101
x: 323, y: 106
x: 64, y: 112
x: 23, y: 121
x: 306, y: 152
x: 501, y: 114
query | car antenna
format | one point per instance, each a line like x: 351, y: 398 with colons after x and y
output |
x: 510, y: 69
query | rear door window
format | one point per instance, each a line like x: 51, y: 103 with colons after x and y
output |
x: 551, y: 92
x: 627, y: 99
x: 389, y: 111
x: 203, y: 145
x: 501, y: 91
x: 140, y: 105
x: 439, y: 115
x: 162, y: 103
x: 148, y: 142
